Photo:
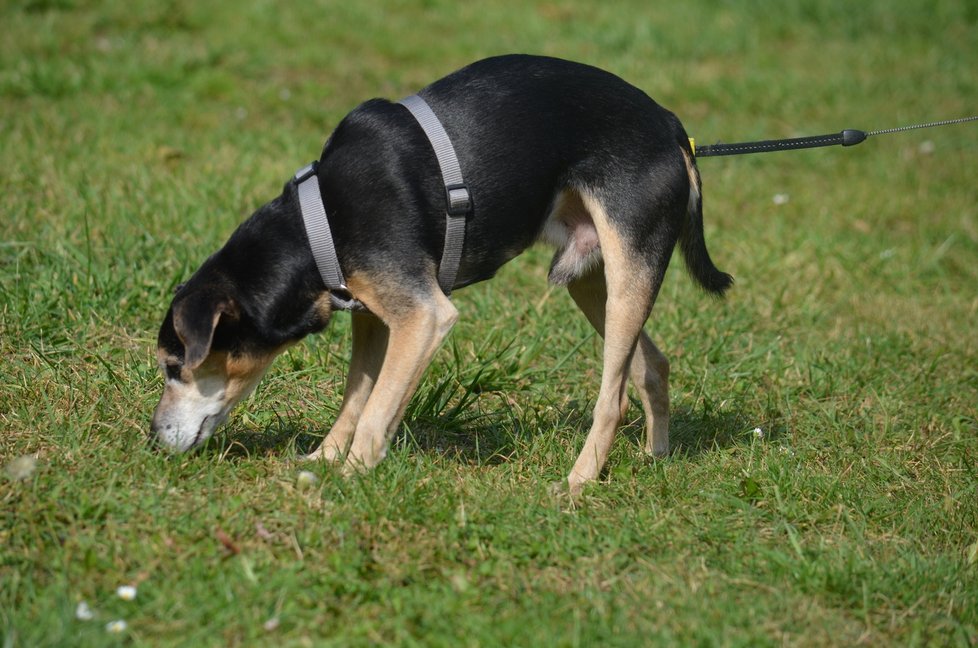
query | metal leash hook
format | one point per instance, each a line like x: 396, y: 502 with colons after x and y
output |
x: 848, y: 137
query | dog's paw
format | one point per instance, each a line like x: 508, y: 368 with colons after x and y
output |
x: 327, y: 453
x: 657, y: 450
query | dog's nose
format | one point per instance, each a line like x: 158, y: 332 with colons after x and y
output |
x: 153, y: 436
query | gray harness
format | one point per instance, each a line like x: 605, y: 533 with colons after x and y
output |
x: 458, y: 205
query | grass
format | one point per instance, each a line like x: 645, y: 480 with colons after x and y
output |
x: 136, y: 135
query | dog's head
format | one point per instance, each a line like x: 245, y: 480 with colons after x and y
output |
x: 246, y: 304
x: 206, y: 368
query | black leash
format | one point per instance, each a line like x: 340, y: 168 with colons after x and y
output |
x: 848, y: 137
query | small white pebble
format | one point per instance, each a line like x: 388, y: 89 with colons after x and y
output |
x: 126, y: 592
x: 83, y: 612
x: 460, y: 583
x: 758, y: 433
x: 780, y: 199
x: 926, y: 147
x: 116, y: 627
x: 21, y: 468
x: 271, y: 624
x: 306, y: 479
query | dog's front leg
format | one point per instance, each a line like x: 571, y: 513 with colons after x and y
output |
x: 369, y: 347
x: 415, y: 334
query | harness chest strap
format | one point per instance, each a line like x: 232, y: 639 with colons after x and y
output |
x: 458, y: 204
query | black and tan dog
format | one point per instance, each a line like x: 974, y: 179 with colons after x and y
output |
x: 553, y: 151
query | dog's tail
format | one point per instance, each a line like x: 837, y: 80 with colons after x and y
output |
x: 691, y: 239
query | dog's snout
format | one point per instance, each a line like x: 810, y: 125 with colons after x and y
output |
x: 162, y: 428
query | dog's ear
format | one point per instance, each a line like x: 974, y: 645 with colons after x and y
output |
x: 195, y: 317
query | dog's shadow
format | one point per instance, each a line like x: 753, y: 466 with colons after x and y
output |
x: 694, y: 432
x: 497, y: 437
x: 491, y: 440
x: 243, y: 442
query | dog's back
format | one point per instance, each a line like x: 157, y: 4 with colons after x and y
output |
x: 525, y: 128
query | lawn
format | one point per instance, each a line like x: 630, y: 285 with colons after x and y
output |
x: 822, y: 488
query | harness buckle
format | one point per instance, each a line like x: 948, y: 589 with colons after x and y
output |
x: 458, y: 200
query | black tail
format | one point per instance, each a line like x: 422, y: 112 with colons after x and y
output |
x: 691, y: 240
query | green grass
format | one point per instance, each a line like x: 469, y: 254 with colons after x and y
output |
x: 136, y: 135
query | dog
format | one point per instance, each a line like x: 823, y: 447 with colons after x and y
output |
x: 553, y: 151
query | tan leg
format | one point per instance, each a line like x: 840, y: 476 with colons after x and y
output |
x: 649, y: 369
x: 590, y: 294
x: 650, y: 372
x: 621, y: 336
x: 630, y: 287
x: 369, y: 347
x: 415, y: 335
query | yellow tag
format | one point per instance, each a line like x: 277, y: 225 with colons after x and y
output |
x: 692, y: 145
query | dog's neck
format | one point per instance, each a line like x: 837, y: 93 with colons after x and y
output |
x: 285, y: 297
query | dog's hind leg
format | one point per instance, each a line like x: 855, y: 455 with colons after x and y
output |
x: 369, y: 347
x: 631, y: 285
x: 650, y: 374
x: 649, y: 369
x: 417, y: 326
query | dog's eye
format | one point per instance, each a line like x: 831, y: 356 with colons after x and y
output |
x: 172, y: 371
